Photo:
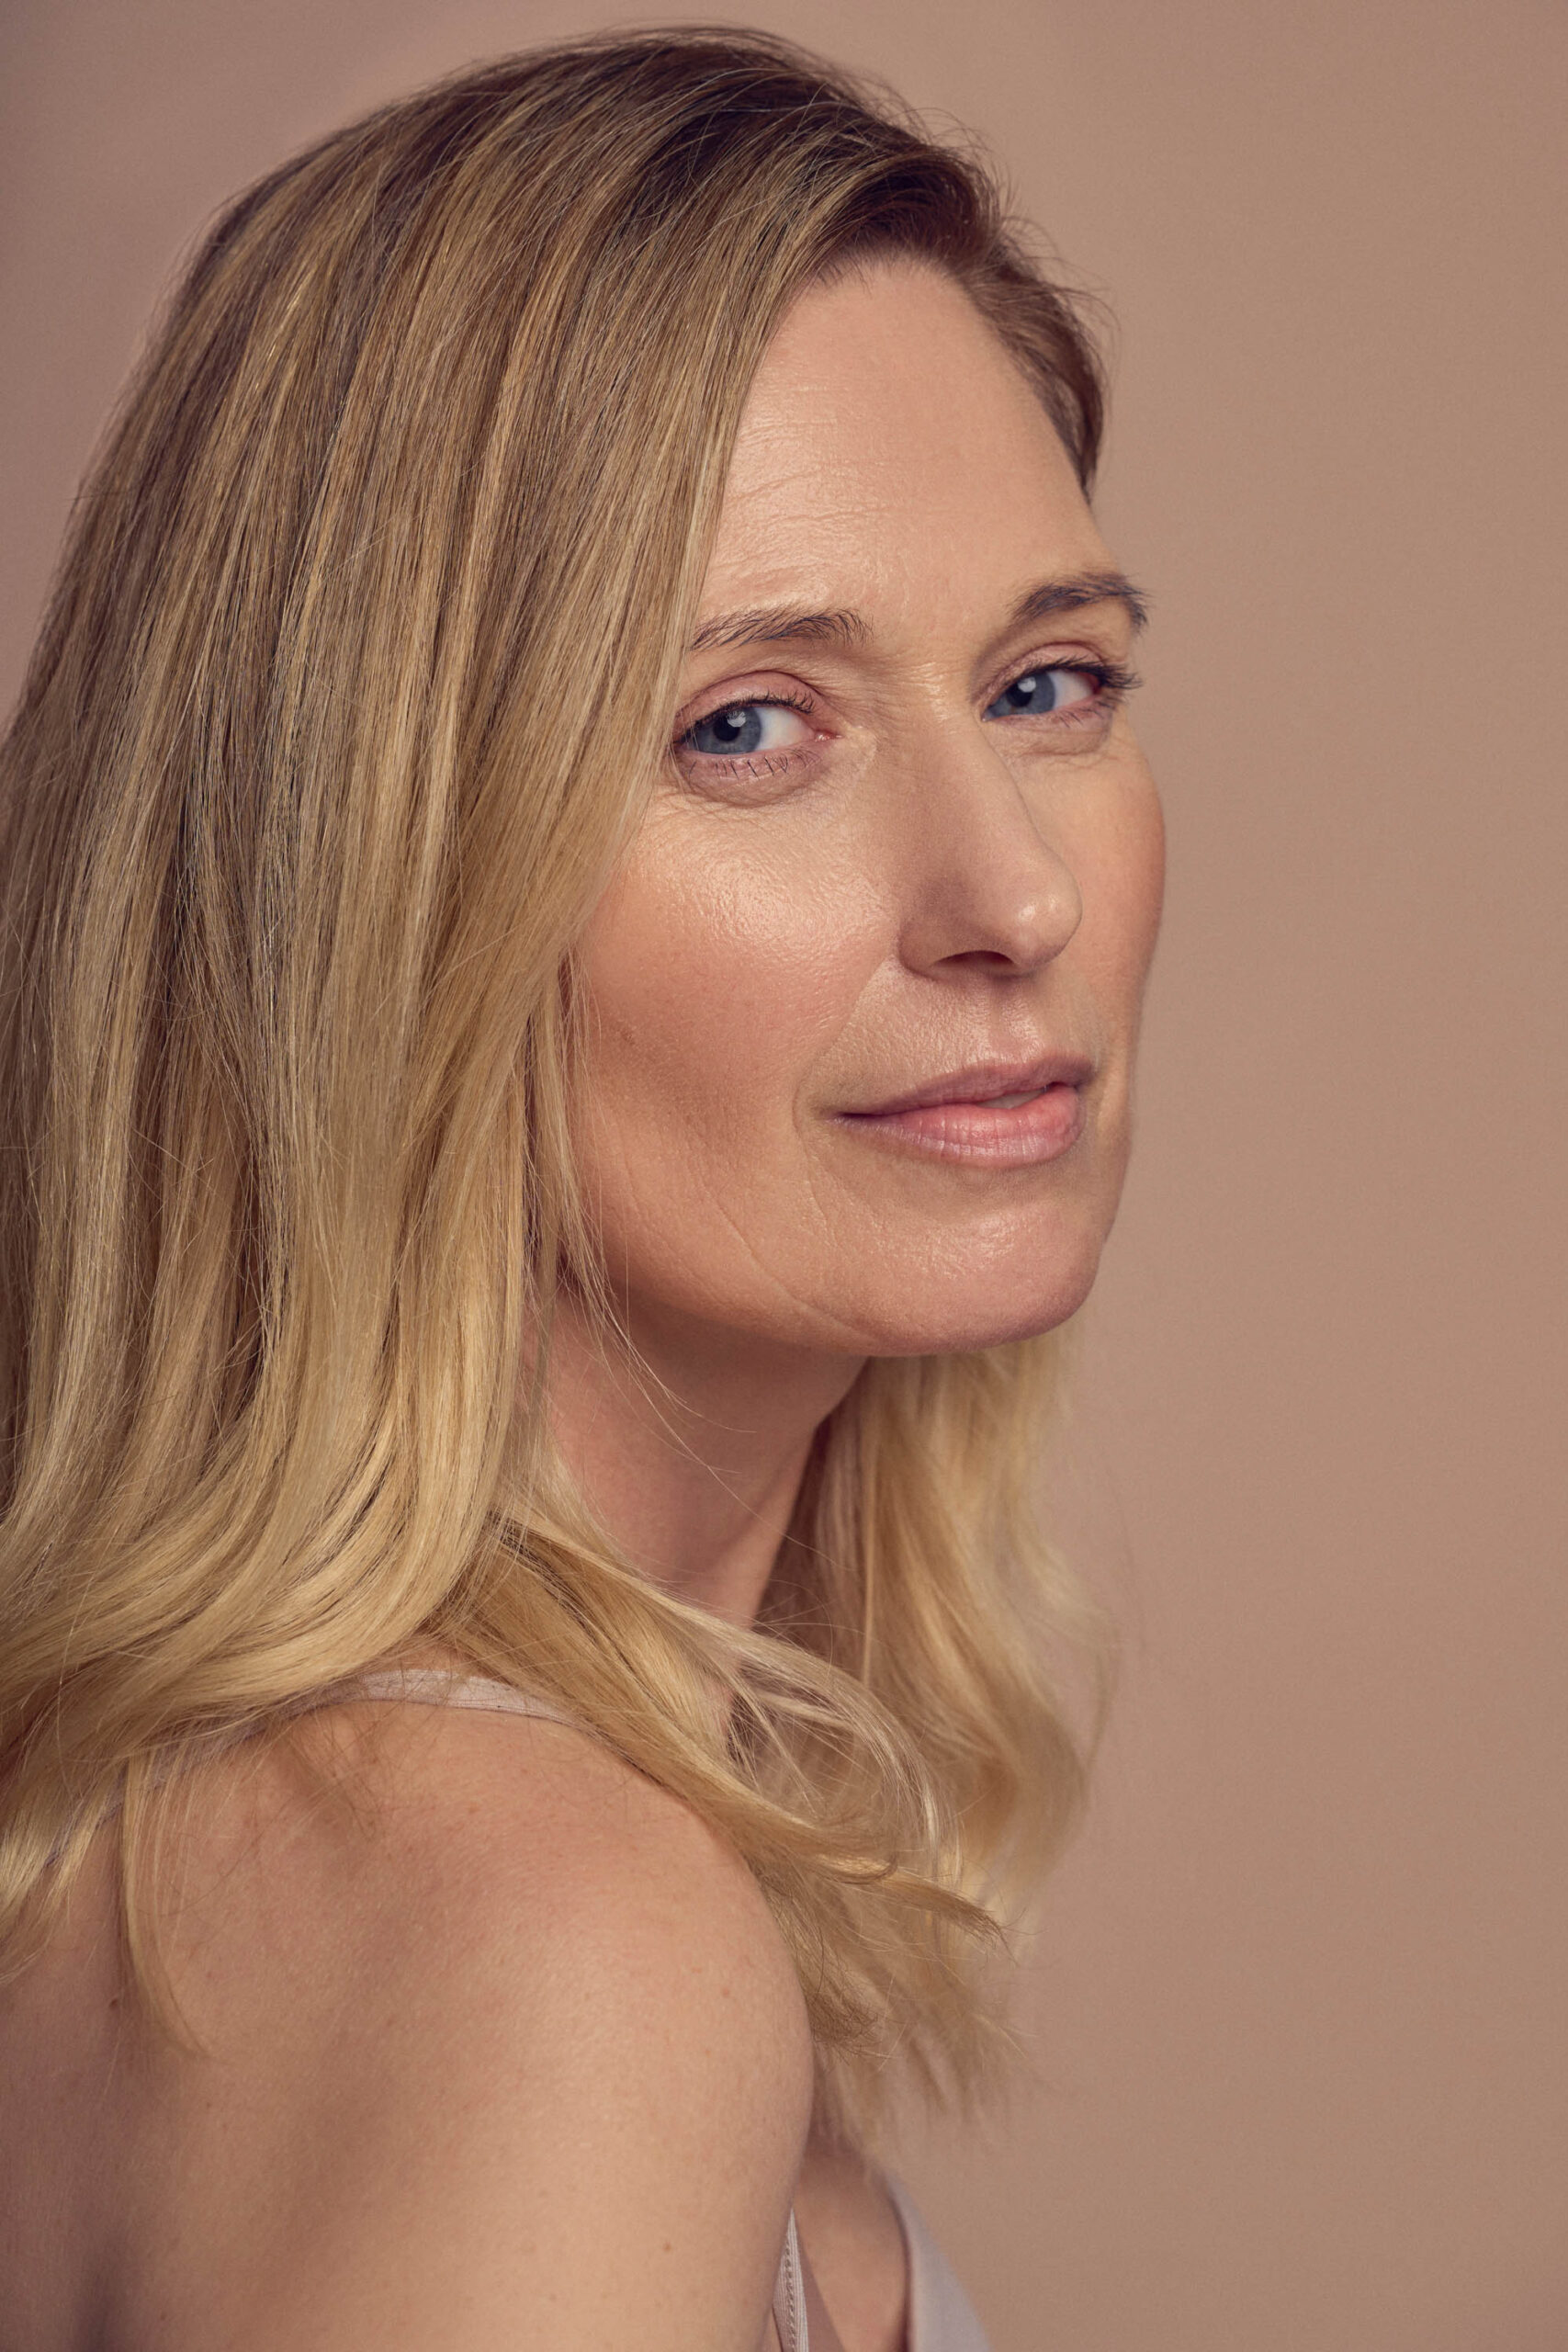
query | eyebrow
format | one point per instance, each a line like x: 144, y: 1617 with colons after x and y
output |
x: 775, y: 624
x: 1081, y: 588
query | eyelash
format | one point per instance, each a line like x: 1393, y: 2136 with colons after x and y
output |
x: 722, y: 771
x: 1114, y: 680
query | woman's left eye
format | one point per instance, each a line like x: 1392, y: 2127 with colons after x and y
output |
x: 745, y: 731
x: 1040, y: 692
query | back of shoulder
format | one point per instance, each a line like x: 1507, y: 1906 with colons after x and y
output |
x: 506, y: 2044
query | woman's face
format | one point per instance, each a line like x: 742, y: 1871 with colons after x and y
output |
x: 864, y: 993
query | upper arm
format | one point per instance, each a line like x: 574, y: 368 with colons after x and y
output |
x: 551, y: 2085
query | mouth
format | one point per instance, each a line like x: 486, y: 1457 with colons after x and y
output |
x: 1011, y: 1115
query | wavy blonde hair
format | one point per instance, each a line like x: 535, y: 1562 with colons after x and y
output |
x: 310, y: 792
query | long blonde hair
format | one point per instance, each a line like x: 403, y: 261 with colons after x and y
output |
x: 310, y: 790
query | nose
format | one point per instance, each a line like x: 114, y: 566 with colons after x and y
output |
x: 989, y: 893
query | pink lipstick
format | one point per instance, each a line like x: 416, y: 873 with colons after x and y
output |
x: 1000, y: 1114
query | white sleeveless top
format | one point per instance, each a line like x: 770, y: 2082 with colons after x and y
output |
x: 940, y: 2317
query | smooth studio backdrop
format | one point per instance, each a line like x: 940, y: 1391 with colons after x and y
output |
x: 1299, y: 2005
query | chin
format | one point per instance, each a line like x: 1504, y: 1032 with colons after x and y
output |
x: 952, y: 1317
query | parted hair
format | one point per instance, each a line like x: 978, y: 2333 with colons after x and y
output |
x: 312, y: 784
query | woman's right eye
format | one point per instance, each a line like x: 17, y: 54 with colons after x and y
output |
x: 744, y: 731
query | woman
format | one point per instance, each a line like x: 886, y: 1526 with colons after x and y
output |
x: 578, y: 886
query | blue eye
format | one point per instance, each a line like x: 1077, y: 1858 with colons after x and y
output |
x: 724, y: 733
x: 741, y: 729
x: 1039, y: 692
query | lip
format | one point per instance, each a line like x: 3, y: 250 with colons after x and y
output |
x: 982, y: 1081
x: 958, y: 1116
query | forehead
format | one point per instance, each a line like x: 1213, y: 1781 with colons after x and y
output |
x: 891, y: 452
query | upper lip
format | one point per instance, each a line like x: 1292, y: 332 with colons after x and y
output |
x: 980, y: 1081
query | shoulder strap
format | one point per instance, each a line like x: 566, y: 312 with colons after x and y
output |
x: 789, y: 2294
x: 427, y: 1686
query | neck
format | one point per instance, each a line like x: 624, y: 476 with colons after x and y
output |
x: 689, y: 1444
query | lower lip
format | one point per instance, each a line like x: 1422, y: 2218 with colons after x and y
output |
x: 984, y: 1134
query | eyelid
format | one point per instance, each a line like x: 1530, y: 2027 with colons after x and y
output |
x: 728, y: 694
x: 1116, y: 678
x: 786, y: 690
x: 763, y: 765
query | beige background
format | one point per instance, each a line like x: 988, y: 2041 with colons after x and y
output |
x: 1299, y: 2005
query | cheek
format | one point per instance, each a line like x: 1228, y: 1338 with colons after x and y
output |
x: 713, y: 985
x: 1120, y: 863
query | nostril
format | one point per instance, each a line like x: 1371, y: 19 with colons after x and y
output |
x: 991, y: 959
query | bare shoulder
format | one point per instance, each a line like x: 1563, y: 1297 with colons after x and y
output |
x: 485, y: 2026
x: 425, y: 1845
